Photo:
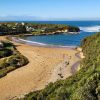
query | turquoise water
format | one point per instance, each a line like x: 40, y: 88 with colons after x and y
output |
x: 87, y: 28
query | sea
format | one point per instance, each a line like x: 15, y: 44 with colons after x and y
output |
x: 87, y: 28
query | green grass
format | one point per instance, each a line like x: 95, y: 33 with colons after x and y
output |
x: 84, y: 85
x: 10, y: 58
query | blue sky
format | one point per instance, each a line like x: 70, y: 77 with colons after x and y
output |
x: 64, y: 9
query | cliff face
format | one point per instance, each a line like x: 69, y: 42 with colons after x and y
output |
x: 73, y: 29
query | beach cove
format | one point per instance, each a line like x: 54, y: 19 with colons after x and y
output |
x: 48, y: 61
x: 46, y: 65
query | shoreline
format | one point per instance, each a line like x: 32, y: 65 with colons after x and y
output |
x: 39, y: 44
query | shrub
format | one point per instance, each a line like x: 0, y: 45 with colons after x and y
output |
x: 12, y: 59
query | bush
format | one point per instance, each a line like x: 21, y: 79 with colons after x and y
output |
x: 5, y: 53
x: 12, y: 59
x: 17, y: 60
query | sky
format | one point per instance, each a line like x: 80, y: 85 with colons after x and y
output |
x: 51, y: 9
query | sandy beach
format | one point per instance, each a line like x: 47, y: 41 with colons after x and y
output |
x: 45, y: 65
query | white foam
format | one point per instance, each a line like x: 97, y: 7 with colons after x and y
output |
x: 90, y: 29
x: 40, y: 44
x: 27, y: 41
x: 43, y: 44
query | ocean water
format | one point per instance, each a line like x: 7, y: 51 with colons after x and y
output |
x: 87, y: 28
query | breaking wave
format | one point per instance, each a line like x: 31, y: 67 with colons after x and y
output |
x: 90, y: 29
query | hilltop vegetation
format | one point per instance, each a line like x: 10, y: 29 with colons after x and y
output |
x: 84, y: 85
x: 12, y: 28
x: 10, y: 58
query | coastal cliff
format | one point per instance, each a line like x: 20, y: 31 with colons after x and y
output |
x: 14, y: 28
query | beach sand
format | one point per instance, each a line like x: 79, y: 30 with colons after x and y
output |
x: 45, y: 65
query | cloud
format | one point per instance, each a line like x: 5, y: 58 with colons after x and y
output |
x: 34, y: 18
x: 19, y: 18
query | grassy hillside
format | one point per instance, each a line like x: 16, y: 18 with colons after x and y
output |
x: 10, y: 58
x: 84, y: 85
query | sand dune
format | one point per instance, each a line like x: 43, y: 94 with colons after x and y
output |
x: 45, y: 65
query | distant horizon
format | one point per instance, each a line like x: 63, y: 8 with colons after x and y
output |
x: 32, y: 18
